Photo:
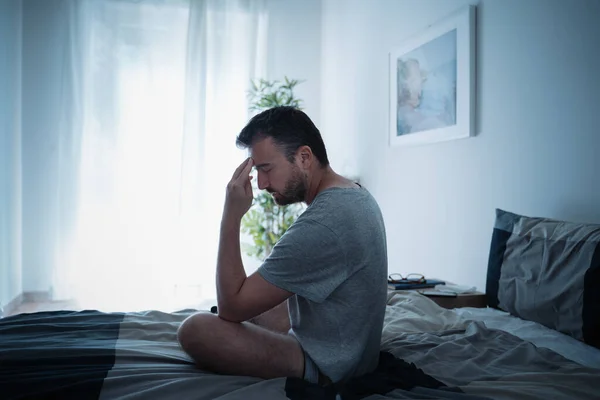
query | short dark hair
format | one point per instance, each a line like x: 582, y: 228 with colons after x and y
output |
x: 289, y: 127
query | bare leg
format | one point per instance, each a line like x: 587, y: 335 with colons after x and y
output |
x: 240, y: 348
x: 276, y: 319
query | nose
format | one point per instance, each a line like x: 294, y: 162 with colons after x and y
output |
x: 263, y: 182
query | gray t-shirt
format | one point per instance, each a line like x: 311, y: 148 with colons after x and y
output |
x: 334, y: 259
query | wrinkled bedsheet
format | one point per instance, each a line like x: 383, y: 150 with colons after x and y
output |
x: 427, y: 353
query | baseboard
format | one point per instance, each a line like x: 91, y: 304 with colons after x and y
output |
x: 36, y: 297
x: 12, y: 305
x: 26, y: 297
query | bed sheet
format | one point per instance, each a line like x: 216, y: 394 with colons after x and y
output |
x: 427, y: 353
x: 465, y: 353
x: 535, y: 333
x: 94, y: 355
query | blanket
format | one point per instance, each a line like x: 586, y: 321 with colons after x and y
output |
x: 427, y: 353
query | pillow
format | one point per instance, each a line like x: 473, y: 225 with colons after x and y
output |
x: 547, y: 271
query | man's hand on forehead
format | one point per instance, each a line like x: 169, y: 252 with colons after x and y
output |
x: 239, y: 190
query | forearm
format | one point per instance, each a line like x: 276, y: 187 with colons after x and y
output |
x: 230, y: 269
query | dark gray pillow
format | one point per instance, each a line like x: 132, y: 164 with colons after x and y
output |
x: 547, y: 271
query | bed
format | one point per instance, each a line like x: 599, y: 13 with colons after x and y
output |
x: 427, y: 352
x: 468, y: 353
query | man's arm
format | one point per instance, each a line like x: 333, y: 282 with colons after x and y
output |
x: 239, y: 297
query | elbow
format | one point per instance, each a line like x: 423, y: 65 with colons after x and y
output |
x: 229, y: 312
x: 230, y: 317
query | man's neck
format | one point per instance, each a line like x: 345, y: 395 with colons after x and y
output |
x: 324, y: 179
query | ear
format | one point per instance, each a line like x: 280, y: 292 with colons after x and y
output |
x: 305, y: 156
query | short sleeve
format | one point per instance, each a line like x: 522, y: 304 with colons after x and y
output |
x: 308, y: 260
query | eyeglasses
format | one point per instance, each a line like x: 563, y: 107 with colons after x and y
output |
x: 411, y: 278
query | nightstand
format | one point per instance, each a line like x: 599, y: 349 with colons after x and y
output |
x: 476, y: 299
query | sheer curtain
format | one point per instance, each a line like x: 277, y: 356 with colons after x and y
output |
x: 156, y: 94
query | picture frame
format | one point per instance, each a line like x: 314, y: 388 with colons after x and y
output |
x: 432, y: 83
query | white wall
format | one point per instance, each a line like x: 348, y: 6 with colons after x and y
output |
x: 10, y: 150
x: 294, y: 48
x: 536, y: 149
x: 44, y: 30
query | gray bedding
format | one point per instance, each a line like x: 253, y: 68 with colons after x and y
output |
x: 89, y: 354
x: 480, y: 361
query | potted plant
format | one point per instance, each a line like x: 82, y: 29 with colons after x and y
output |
x: 266, y: 221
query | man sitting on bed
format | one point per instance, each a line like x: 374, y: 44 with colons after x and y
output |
x: 317, y: 302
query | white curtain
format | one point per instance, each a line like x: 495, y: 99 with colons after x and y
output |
x: 154, y: 96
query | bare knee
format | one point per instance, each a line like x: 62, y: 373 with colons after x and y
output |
x: 196, y: 336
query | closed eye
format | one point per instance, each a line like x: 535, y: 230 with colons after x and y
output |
x: 266, y: 167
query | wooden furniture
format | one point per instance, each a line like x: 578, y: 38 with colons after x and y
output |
x: 476, y: 299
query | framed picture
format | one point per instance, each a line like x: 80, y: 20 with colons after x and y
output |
x: 432, y: 83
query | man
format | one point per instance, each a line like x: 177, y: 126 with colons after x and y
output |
x: 318, y: 300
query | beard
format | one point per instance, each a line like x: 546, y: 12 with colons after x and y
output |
x: 294, y: 192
